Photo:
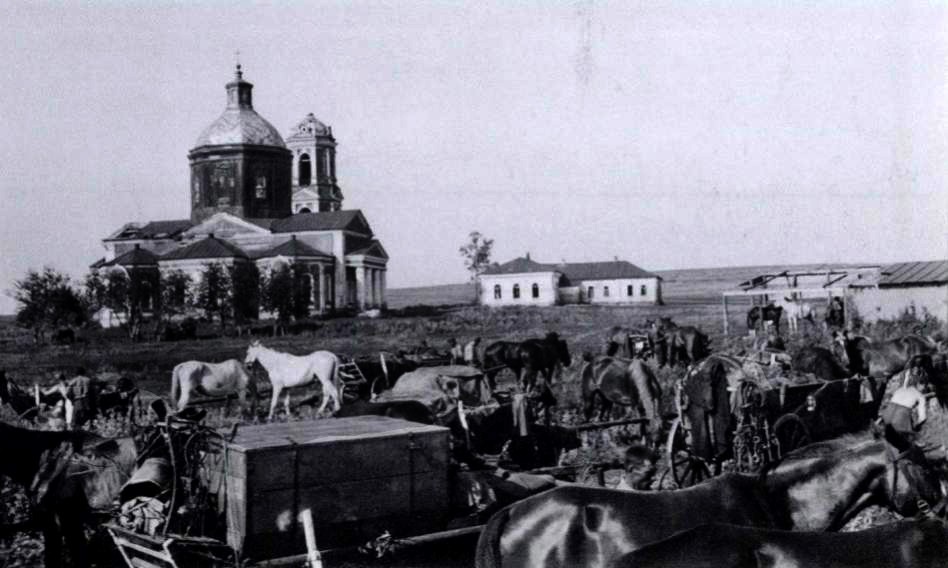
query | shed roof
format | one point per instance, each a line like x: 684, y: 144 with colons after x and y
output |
x: 915, y: 273
x: 211, y: 247
x: 574, y: 271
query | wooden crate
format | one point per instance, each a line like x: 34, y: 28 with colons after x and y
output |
x: 360, y: 476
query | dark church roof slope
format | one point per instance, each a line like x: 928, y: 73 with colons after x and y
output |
x: 365, y: 246
x: 352, y: 220
x: 152, y: 230
x: 135, y: 257
x: 294, y: 248
x: 209, y: 248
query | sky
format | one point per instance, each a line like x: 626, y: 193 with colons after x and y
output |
x: 670, y: 134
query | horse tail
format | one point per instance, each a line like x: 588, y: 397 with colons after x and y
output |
x: 175, y: 384
x: 488, y: 553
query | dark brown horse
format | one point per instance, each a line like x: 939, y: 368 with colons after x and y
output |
x: 526, y: 359
x: 683, y: 344
x: 819, y: 487
x: 626, y: 382
x: 820, y: 362
x: 915, y: 543
x: 67, y: 475
x: 881, y: 359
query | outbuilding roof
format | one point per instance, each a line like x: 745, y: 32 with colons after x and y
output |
x: 208, y: 248
x: 915, y: 273
x: 574, y: 271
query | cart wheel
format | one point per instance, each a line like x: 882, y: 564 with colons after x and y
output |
x: 686, y: 468
x: 791, y: 432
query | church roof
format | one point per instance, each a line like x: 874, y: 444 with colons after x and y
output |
x: 135, y: 257
x: 293, y: 248
x: 364, y: 245
x: 152, y: 230
x: 322, y: 221
x: 309, y: 128
x: 208, y: 248
x: 240, y: 123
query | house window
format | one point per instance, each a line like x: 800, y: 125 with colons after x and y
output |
x: 605, y: 291
x: 305, y: 171
x: 643, y: 291
x: 589, y: 293
x: 629, y: 289
x: 516, y: 291
x: 496, y: 291
x: 536, y: 290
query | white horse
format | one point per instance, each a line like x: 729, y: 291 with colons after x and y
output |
x: 796, y: 310
x: 211, y: 379
x: 287, y: 371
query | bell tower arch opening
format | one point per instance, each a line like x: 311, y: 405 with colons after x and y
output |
x: 305, y: 171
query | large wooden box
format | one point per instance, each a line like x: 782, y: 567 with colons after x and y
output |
x: 359, y: 476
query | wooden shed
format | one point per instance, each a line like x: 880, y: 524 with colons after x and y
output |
x: 359, y: 476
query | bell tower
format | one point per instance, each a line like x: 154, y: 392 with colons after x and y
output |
x: 314, y: 162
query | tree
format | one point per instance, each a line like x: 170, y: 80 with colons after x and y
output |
x: 215, y: 293
x: 125, y: 294
x: 278, y: 294
x: 177, y: 296
x: 302, y: 291
x: 476, y: 255
x: 246, y: 295
x: 46, y: 300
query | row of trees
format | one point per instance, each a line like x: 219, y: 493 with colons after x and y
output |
x: 48, y: 300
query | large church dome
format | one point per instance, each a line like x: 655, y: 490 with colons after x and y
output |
x: 240, y: 123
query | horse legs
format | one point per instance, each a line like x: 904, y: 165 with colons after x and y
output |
x: 185, y: 393
x: 52, y: 542
x: 275, y: 396
x: 286, y: 403
x: 73, y: 532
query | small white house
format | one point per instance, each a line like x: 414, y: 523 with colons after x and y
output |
x: 524, y: 282
x: 914, y: 287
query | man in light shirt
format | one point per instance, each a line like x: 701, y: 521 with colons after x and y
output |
x: 907, y: 410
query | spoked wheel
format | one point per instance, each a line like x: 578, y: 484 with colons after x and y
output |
x: 687, y: 469
x: 791, y: 432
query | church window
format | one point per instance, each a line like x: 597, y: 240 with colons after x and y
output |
x: 536, y: 290
x: 305, y: 170
x: 261, y: 187
x: 304, y: 210
x: 321, y: 163
x: 497, y: 293
x: 516, y: 291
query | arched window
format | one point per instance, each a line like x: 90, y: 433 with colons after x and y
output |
x: 306, y: 170
x: 496, y: 291
x: 536, y: 290
x: 516, y: 291
x: 643, y: 291
x: 605, y: 291
x: 304, y: 210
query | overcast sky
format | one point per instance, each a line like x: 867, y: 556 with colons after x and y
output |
x: 678, y: 135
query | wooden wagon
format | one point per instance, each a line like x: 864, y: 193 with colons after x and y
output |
x: 357, y: 478
x: 768, y: 420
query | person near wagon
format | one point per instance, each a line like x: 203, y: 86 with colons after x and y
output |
x: 471, y: 352
x: 82, y: 392
x: 907, y: 410
x: 639, y: 469
x: 457, y: 352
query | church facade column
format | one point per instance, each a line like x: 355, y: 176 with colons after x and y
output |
x: 321, y: 278
x: 360, y: 287
x: 382, y: 302
x: 375, y: 287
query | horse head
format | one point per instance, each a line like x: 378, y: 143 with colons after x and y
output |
x: 912, y: 480
x: 253, y: 353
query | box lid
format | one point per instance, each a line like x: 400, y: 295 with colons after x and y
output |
x: 326, y: 430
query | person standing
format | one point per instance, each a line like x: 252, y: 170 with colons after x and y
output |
x: 907, y: 410
x: 82, y: 393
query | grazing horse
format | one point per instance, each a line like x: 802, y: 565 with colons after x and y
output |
x: 797, y: 310
x: 287, y: 371
x: 768, y: 313
x: 526, y: 359
x: 68, y: 475
x: 211, y: 379
x: 820, y: 362
x: 881, y: 359
x: 914, y: 543
x: 682, y: 344
x: 819, y: 487
x: 626, y: 382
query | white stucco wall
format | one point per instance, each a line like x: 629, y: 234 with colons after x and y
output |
x: 888, y: 303
x: 546, y: 282
x: 618, y: 291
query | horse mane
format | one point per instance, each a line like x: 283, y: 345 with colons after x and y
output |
x: 847, y: 443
